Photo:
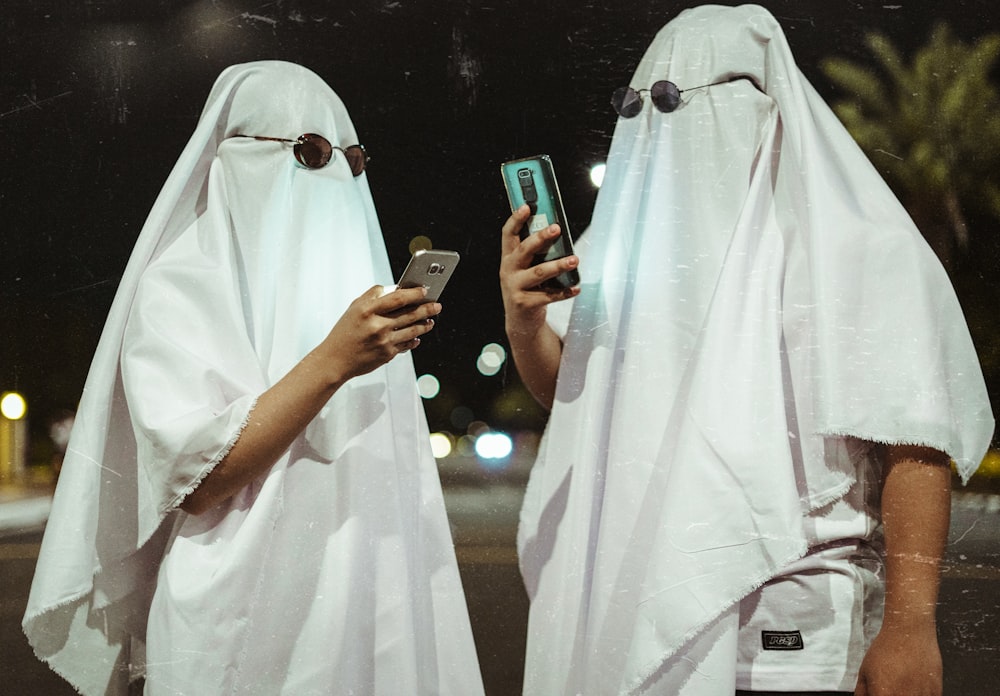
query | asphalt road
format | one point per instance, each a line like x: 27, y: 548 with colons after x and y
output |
x: 484, y: 523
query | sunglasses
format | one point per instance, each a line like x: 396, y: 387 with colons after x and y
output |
x: 664, y: 93
x: 315, y: 152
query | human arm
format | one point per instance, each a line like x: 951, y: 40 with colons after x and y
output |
x: 916, y: 503
x: 364, y: 338
x: 534, y: 346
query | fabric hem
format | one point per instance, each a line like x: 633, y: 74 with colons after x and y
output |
x: 636, y: 685
x: 965, y: 470
x: 51, y: 661
x: 62, y: 674
x: 773, y: 680
x: 28, y: 620
x: 210, y: 467
x: 99, y: 568
x: 832, y: 494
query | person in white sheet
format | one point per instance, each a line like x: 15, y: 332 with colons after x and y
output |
x: 754, y: 395
x: 249, y: 503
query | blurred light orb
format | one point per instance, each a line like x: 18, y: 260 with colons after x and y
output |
x: 428, y: 386
x: 597, y: 174
x: 477, y: 428
x: 491, y: 359
x: 493, y: 354
x: 13, y: 406
x: 494, y: 445
x: 440, y: 445
x: 420, y: 242
x: 485, y: 367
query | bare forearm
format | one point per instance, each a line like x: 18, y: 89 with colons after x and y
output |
x: 373, y: 330
x: 280, y: 414
x: 535, y: 347
x: 904, y: 657
x: 537, y: 354
x: 916, y: 504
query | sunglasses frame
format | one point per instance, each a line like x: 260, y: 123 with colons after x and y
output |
x: 313, y: 151
x: 664, y: 94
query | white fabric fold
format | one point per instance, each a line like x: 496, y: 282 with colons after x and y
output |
x: 740, y: 307
x: 336, y: 570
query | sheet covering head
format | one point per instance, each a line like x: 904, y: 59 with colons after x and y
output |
x: 246, y: 261
x: 741, y: 314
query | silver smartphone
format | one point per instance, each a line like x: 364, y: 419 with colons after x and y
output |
x: 430, y: 268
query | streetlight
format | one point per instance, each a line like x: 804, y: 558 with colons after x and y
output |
x: 13, y: 406
x: 13, y: 437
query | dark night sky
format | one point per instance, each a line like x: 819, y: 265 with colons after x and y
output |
x: 98, y: 98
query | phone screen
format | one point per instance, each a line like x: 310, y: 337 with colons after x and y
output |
x: 532, y: 181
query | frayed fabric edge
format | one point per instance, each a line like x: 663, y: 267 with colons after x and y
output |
x: 29, y: 620
x: 98, y: 569
x: 58, y: 671
x: 965, y: 467
x: 831, y: 495
x: 52, y: 661
x: 210, y: 467
x: 132, y: 679
x: 638, y: 685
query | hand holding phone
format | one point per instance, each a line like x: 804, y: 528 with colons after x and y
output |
x: 531, y: 181
x: 429, y: 268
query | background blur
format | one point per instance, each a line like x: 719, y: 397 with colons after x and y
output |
x: 98, y: 98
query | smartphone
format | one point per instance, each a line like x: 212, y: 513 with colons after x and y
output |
x: 430, y: 268
x: 532, y: 181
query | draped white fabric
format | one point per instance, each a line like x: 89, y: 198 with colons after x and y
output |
x: 742, y: 311
x: 334, y: 573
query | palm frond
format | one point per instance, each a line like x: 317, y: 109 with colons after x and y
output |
x: 861, y: 83
x: 930, y: 125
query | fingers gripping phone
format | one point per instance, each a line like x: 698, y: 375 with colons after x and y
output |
x: 532, y: 181
x: 430, y: 268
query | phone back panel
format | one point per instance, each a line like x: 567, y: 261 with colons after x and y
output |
x: 532, y: 181
x: 431, y: 268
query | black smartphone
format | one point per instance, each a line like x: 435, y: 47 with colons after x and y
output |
x: 430, y: 268
x: 532, y: 181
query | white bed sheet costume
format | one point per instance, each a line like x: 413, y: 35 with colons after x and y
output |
x: 755, y: 305
x: 333, y: 574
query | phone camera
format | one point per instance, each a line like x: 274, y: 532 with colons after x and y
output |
x: 528, y: 190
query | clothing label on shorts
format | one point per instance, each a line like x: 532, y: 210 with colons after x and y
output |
x: 782, y: 640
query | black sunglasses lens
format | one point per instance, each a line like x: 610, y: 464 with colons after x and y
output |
x: 357, y: 158
x: 665, y: 95
x: 627, y: 102
x: 313, y: 151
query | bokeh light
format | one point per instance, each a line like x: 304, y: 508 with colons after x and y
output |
x: 441, y: 445
x: 491, y: 359
x: 597, y: 174
x: 13, y: 406
x: 494, y: 445
x: 428, y: 386
x: 420, y: 242
x: 477, y: 428
x: 485, y: 368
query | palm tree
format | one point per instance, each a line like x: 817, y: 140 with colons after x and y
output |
x: 932, y: 127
